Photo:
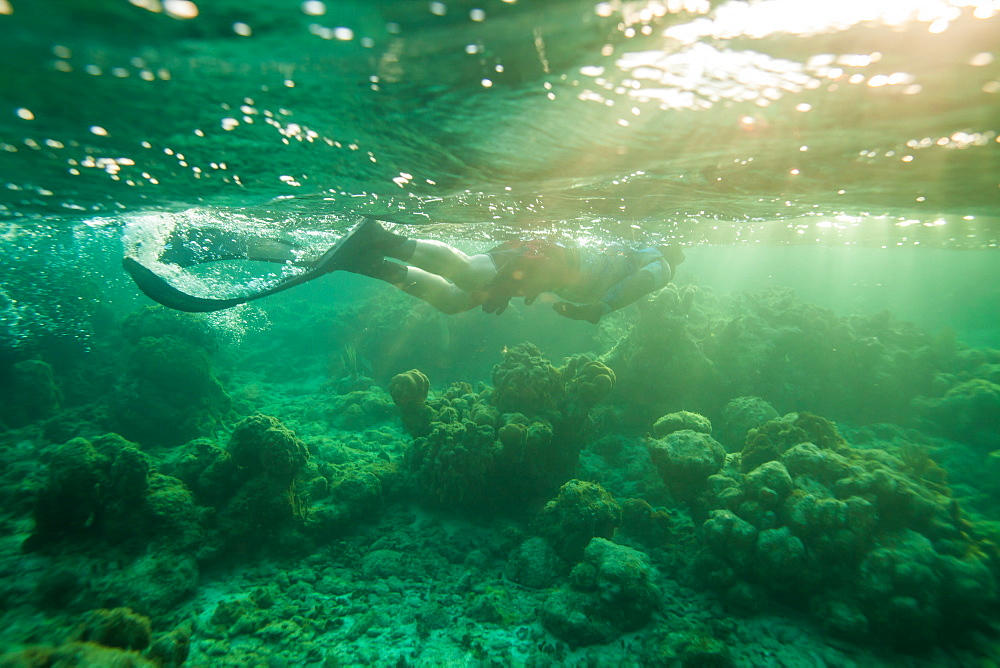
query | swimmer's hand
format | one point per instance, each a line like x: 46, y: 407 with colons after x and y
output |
x: 589, y: 312
x: 506, y: 284
x: 496, y: 304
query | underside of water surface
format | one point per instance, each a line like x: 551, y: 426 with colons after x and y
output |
x: 788, y: 456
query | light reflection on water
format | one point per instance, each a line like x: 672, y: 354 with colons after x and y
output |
x: 768, y: 17
x: 681, y: 119
x: 689, y: 72
x: 846, y: 126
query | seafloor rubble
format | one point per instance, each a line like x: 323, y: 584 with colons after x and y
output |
x: 721, y: 481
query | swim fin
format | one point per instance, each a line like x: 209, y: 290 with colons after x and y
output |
x: 342, y: 255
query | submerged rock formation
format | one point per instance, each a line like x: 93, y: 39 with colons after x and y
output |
x: 117, y: 637
x: 692, y: 349
x: 872, y: 544
x: 685, y: 460
x: 103, y: 497
x: 30, y: 393
x: 168, y: 393
x: 611, y: 592
x: 503, y: 446
x: 582, y: 511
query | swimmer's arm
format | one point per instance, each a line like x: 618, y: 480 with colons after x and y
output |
x: 652, y: 277
x: 632, y: 288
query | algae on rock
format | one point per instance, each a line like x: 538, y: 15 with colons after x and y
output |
x: 505, y: 446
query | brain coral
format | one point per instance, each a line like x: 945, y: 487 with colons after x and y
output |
x: 525, y: 382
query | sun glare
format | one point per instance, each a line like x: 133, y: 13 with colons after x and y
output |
x: 675, y: 76
x: 760, y: 19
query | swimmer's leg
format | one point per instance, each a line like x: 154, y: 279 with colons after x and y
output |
x: 468, y: 272
x: 434, y: 289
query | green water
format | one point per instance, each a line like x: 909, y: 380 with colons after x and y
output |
x: 863, y: 125
x: 831, y: 169
x: 530, y: 116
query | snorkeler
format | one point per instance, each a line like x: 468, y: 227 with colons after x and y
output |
x: 590, y: 282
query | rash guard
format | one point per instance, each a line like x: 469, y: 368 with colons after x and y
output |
x: 581, y: 275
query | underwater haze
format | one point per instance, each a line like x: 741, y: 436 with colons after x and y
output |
x: 788, y: 456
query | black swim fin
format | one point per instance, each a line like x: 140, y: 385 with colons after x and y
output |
x: 342, y: 255
x: 159, y: 290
